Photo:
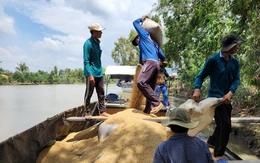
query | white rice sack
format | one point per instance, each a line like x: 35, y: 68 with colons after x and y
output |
x: 154, y: 29
x: 203, y: 112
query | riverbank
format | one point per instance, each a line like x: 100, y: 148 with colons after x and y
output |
x: 248, y: 132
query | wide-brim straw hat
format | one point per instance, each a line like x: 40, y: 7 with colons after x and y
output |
x: 180, y: 117
x: 229, y: 41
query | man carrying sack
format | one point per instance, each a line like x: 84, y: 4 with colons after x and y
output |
x: 150, y: 53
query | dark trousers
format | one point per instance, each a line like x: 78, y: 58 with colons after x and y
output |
x: 99, y: 85
x: 220, y: 137
x: 146, y: 83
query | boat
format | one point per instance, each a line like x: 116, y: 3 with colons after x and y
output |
x: 26, y: 146
x: 125, y: 75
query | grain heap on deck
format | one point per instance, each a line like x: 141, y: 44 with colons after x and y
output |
x: 135, y: 140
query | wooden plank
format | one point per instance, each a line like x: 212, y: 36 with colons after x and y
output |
x: 82, y: 119
x: 156, y: 119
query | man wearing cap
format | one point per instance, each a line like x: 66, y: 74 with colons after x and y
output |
x: 150, y: 53
x: 223, y: 71
x: 93, y: 70
x: 181, y: 147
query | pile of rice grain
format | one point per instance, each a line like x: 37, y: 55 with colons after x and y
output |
x: 135, y: 140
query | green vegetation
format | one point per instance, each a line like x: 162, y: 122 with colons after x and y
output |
x: 22, y: 75
x: 194, y: 29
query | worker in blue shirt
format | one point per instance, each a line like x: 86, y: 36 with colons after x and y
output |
x: 181, y: 147
x: 224, y: 73
x: 150, y: 53
x: 161, y: 86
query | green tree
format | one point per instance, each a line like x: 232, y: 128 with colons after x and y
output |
x: 246, y: 14
x: 61, y: 72
x: 1, y: 70
x: 42, y: 76
x: 51, y: 78
x: 67, y: 71
x: 194, y: 30
x: 55, y: 70
x: 22, y: 67
x: 77, y: 74
x: 124, y: 52
x: 18, y: 76
x: 27, y: 75
x: 3, y: 79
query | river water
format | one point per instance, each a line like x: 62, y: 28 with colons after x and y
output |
x: 23, y: 106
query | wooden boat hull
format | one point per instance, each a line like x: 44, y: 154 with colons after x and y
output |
x: 26, y: 146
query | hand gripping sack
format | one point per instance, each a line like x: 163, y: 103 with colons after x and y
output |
x: 154, y: 29
x: 203, y: 112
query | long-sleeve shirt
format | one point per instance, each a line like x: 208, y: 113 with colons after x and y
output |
x: 224, y: 75
x: 181, y: 148
x: 149, y: 48
x: 92, y: 58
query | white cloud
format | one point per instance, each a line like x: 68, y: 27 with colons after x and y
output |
x: 14, y: 49
x: 6, y: 23
x: 9, y: 60
x: 4, y: 52
x: 47, y: 45
x: 72, y: 59
x: 67, y: 23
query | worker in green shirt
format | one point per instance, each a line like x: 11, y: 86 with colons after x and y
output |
x: 93, y: 70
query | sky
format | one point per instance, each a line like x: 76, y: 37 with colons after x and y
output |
x: 47, y: 33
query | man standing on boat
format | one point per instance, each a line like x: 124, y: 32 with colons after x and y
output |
x: 150, y: 52
x: 224, y: 73
x: 93, y: 70
x: 161, y: 86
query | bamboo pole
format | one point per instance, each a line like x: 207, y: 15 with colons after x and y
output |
x: 159, y: 119
x: 233, y: 119
x: 82, y: 119
x: 245, y: 119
